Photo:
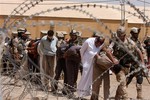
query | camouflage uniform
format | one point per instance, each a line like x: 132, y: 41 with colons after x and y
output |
x: 139, y: 77
x: 120, y: 49
x: 73, y: 41
x: 19, y: 45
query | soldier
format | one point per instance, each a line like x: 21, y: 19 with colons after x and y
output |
x: 139, y: 77
x: 18, y: 45
x: 74, y: 40
x: 123, y: 48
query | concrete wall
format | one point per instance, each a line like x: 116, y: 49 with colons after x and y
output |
x: 87, y: 23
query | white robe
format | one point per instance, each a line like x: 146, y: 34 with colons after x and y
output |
x: 88, y: 51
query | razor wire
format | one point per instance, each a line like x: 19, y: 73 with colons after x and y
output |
x: 60, y: 25
x: 87, y: 14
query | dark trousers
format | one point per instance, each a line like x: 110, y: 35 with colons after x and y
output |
x: 138, y: 75
x: 33, y: 64
x: 33, y: 67
x: 72, y: 73
x: 61, y: 66
x: 4, y: 62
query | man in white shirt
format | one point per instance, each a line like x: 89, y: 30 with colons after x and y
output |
x: 89, y: 50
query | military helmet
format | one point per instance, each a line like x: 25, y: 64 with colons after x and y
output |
x: 121, y: 30
x: 148, y: 36
x: 21, y: 30
x: 74, y: 32
x: 96, y: 34
x: 135, y: 30
x: 102, y: 37
x: 60, y: 35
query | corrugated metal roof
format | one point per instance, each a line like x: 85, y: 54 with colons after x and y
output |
x: 100, y: 13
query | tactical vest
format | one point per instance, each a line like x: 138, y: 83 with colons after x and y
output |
x: 73, y: 42
x: 120, y: 51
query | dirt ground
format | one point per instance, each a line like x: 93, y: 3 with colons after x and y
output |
x: 15, y: 92
x: 132, y: 88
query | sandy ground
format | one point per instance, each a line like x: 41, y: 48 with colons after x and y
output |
x: 15, y: 92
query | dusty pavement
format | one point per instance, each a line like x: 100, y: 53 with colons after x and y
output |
x: 19, y: 92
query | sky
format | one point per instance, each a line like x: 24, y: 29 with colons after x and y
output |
x: 135, y: 2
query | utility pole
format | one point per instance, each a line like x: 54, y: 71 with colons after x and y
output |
x: 122, y: 3
x: 144, y: 14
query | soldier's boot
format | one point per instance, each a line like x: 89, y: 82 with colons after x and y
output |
x: 121, y: 95
x: 139, y: 91
x: 54, y: 86
x: 125, y: 98
x: 117, y: 97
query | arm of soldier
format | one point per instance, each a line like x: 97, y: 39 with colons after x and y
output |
x: 15, y: 43
x: 109, y: 54
x: 140, y: 54
x: 110, y: 47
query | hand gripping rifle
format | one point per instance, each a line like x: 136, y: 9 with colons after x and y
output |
x: 145, y: 71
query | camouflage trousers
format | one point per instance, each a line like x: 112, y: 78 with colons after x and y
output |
x: 121, y: 92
